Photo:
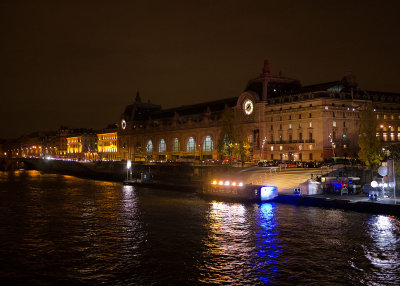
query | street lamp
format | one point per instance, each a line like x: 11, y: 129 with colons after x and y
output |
x: 128, y: 167
x: 262, y: 147
x: 394, y: 174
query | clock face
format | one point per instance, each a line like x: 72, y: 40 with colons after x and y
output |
x: 248, y: 107
x: 123, y: 123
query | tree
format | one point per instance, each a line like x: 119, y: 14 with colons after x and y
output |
x: 232, y: 140
x: 226, y: 136
x: 370, y: 147
x: 242, y: 146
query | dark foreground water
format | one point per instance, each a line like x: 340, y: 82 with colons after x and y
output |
x: 57, y: 229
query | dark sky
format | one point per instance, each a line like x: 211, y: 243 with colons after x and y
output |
x: 79, y: 63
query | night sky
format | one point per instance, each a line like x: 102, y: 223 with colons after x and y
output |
x: 81, y: 62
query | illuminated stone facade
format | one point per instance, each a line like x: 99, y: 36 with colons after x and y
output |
x: 183, y: 133
x: 82, y: 147
x: 107, y: 146
x: 283, y: 121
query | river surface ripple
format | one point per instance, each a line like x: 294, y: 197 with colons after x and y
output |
x: 57, y: 229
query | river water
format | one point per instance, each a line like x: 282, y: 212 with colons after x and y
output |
x: 57, y: 229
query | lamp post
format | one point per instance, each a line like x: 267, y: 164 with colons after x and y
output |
x: 262, y: 147
x: 333, y: 146
x: 128, y: 167
x: 394, y: 174
x: 201, y: 160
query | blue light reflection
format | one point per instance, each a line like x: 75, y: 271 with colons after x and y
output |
x: 267, y: 249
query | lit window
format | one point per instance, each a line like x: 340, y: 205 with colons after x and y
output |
x: 384, y: 137
x: 334, y: 123
x: 280, y: 147
x: 290, y: 125
x: 310, y: 124
x: 191, y: 145
x: 299, y: 124
x: 384, y: 116
x: 300, y: 147
x: 175, y: 145
x: 149, y: 147
x: 162, y: 148
x: 208, y: 144
x: 310, y: 147
x: 392, y: 136
x: 272, y: 148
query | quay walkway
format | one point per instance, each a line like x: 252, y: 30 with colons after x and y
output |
x: 359, y: 203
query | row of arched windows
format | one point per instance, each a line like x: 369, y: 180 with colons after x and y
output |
x: 208, y: 145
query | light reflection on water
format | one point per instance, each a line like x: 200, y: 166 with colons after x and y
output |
x: 63, y: 230
x: 383, y: 252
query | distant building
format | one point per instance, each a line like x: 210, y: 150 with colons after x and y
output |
x: 82, y: 147
x: 107, y: 146
x: 283, y: 120
x: 61, y: 141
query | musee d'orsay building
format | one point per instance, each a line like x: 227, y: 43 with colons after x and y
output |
x: 283, y: 120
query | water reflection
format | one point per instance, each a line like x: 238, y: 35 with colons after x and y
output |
x: 62, y: 230
x: 383, y: 252
x: 242, y: 244
x: 267, y: 250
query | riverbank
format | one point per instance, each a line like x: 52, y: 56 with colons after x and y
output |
x: 190, y: 178
x: 358, y: 203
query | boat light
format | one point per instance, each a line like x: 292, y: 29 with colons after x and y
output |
x: 221, y: 183
x: 227, y: 183
x: 233, y: 183
x: 240, y: 184
x: 214, y: 182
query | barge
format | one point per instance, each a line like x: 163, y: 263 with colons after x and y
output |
x: 238, y: 191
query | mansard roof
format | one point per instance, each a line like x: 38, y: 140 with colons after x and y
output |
x: 195, y: 109
x: 140, y: 111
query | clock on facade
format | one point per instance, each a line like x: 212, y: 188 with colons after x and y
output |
x: 248, y: 107
x: 123, y: 123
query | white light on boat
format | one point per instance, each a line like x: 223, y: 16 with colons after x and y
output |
x: 233, y: 183
x: 214, y: 182
x: 227, y: 183
x: 240, y: 184
x: 221, y: 183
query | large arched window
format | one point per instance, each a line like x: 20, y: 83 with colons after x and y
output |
x: 208, y: 144
x: 149, y: 147
x: 175, y: 145
x: 191, y: 145
x: 162, y: 148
